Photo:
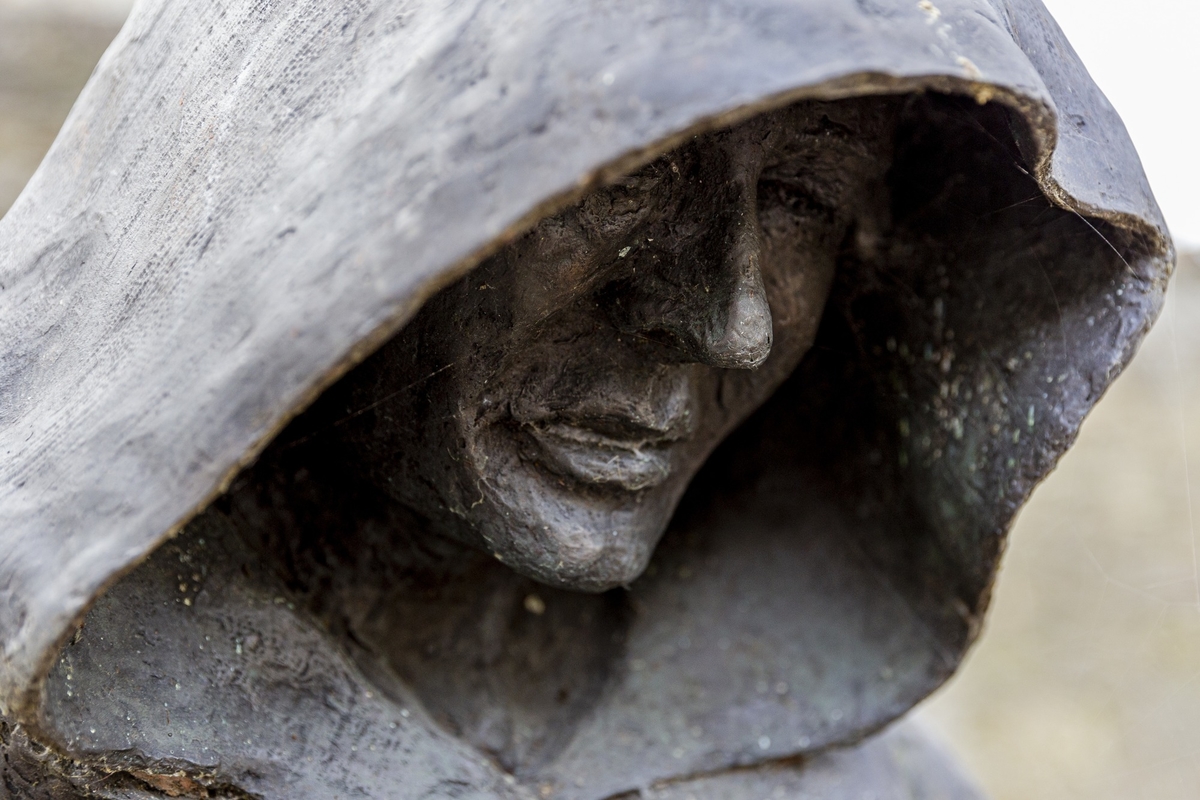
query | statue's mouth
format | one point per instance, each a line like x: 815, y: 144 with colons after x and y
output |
x: 616, y: 451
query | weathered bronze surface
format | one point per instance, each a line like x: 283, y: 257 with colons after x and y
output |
x: 552, y: 407
x: 603, y: 416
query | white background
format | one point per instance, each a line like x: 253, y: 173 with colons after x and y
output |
x: 1145, y: 55
x: 100, y: 10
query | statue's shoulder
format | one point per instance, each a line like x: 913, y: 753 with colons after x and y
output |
x: 203, y: 671
x: 199, y: 667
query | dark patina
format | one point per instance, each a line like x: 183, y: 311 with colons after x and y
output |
x: 675, y: 469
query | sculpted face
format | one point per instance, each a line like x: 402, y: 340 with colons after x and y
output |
x: 553, y: 406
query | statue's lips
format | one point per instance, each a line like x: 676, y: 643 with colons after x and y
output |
x: 618, y: 453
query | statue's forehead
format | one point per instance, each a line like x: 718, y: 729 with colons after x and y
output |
x: 821, y: 137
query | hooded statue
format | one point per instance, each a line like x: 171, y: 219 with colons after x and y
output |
x: 420, y: 399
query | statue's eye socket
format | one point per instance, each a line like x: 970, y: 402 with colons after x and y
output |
x: 622, y: 200
x: 613, y: 209
x: 639, y: 187
x: 795, y: 195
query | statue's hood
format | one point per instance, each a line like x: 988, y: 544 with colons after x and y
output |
x: 250, y: 197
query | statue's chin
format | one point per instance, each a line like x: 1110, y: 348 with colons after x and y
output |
x: 605, y: 573
x: 568, y: 555
x: 563, y: 530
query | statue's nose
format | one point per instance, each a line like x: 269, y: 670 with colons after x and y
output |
x: 737, y: 329
x: 706, y: 301
x: 702, y: 294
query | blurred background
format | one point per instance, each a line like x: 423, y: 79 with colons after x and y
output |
x: 1087, y: 681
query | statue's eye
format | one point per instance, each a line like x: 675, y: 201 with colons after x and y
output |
x: 613, y: 210
x: 793, y: 195
x: 623, y: 200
